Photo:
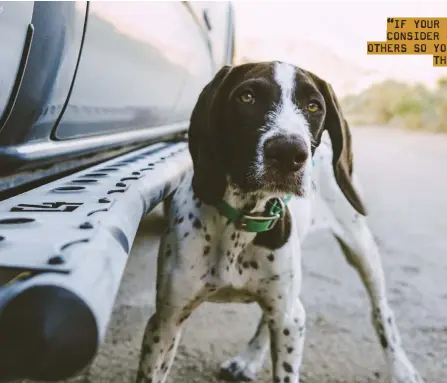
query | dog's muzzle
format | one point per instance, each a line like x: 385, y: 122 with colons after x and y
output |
x: 287, y: 153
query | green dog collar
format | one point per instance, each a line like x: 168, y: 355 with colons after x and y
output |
x: 252, y: 223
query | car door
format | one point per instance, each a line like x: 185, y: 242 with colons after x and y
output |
x: 97, y: 75
x: 136, y: 58
x: 48, y: 58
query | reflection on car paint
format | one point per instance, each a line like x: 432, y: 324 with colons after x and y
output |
x: 14, y: 20
x: 136, y: 60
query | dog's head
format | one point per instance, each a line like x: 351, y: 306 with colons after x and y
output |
x: 256, y: 127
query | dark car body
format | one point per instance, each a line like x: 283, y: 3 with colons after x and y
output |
x: 80, y: 79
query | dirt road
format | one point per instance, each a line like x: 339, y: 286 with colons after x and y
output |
x: 405, y: 181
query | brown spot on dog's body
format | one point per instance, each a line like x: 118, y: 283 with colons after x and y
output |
x: 197, y: 223
x: 287, y: 367
x: 254, y: 264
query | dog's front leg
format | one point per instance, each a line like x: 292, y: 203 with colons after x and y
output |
x: 287, y: 327
x: 177, y: 296
x: 285, y: 315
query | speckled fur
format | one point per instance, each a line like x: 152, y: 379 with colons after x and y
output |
x: 204, y: 257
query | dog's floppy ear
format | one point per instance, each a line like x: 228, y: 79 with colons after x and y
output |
x: 209, y: 182
x: 342, y: 160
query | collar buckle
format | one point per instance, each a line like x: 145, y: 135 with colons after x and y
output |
x: 243, y: 222
x: 276, y: 213
x: 281, y: 207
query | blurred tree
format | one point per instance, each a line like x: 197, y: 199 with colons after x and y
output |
x: 399, y: 104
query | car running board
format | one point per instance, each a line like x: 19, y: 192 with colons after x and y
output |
x: 63, y: 250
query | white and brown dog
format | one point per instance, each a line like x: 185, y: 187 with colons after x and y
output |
x: 267, y: 141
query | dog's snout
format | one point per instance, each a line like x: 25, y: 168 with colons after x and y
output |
x: 287, y: 152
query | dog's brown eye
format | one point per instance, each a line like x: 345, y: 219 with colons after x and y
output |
x: 247, y: 98
x: 313, y: 107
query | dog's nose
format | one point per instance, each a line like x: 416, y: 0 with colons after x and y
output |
x: 286, y: 152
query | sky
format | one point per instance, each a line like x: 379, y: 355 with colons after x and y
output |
x: 321, y: 34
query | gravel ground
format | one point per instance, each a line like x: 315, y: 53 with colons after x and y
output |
x: 405, y: 184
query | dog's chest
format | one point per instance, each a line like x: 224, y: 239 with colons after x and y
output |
x: 222, y: 257
x: 233, y: 259
x: 240, y: 271
x: 226, y: 260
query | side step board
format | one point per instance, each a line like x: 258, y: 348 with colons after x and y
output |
x: 63, y: 250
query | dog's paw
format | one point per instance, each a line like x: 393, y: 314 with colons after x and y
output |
x: 239, y: 370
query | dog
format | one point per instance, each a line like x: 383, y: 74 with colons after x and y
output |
x: 268, y: 143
